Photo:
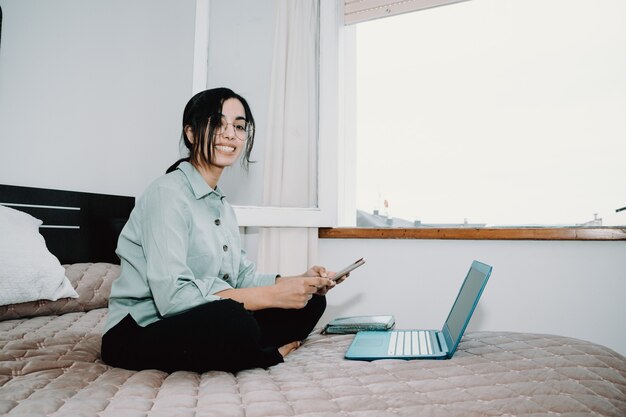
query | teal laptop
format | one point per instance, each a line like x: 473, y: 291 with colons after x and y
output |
x: 425, y: 344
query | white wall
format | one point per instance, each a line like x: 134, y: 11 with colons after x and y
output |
x: 92, y: 92
x: 574, y: 289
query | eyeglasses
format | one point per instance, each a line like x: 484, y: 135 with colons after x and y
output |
x: 243, y: 130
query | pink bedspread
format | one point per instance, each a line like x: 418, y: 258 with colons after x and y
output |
x: 50, y: 365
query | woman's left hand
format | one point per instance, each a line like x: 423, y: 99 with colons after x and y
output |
x: 320, y: 271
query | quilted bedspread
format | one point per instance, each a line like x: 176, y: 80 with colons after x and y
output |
x: 50, y: 365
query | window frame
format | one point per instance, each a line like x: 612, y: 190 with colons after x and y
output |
x: 347, y: 179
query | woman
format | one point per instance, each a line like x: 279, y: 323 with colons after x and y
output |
x: 187, y: 297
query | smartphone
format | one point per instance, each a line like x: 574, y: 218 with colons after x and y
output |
x: 347, y: 269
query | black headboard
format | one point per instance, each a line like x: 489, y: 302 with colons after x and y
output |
x: 77, y: 226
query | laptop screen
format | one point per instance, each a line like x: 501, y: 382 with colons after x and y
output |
x: 466, y: 300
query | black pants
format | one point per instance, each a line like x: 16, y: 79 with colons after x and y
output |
x: 220, y: 335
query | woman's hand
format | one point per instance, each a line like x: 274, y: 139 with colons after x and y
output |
x: 287, y: 292
x: 322, y: 272
x: 317, y: 271
x: 295, y: 292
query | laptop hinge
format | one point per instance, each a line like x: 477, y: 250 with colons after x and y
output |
x: 441, y: 342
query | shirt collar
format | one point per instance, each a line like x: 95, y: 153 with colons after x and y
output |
x: 199, y: 186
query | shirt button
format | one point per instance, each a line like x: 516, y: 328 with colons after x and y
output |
x: 217, y: 222
x: 226, y: 276
x: 225, y: 247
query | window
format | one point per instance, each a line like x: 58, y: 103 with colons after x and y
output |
x: 492, y: 113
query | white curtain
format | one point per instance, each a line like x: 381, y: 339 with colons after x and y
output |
x: 290, y: 176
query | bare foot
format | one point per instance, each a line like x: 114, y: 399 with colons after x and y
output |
x: 288, y: 348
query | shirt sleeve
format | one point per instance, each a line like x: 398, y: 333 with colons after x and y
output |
x: 165, y: 229
x: 248, y: 277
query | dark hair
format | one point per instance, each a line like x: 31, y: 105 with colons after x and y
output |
x: 196, y: 116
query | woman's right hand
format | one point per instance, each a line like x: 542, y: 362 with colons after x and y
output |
x: 295, y: 292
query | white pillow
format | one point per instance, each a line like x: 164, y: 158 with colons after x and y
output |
x: 28, y: 271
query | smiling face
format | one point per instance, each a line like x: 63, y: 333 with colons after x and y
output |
x: 218, y: 130
x: 226, y: 145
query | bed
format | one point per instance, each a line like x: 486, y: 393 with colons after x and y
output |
x: 50, y: 354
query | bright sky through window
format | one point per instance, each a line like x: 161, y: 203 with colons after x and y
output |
x: 498, y: 112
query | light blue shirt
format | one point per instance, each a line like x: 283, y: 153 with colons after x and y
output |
x: 180, y: 246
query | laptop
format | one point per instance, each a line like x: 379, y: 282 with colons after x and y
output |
x: 425, y: 344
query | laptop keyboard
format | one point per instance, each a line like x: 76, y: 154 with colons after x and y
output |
x: 410, y: 343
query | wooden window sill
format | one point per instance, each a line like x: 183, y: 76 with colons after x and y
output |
x: 522, y: 233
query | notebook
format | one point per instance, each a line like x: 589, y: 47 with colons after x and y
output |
x: 354, y: 324
x: 425, y: 344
